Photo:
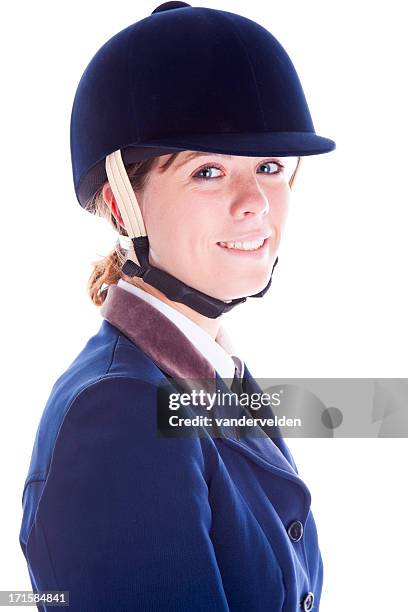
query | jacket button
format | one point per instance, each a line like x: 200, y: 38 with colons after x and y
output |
x: 295, y: 531
x: 307, y: 603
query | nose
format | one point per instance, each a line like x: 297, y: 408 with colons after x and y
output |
x: 249, y: 200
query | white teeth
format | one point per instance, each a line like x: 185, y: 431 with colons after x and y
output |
x: 245, y: 246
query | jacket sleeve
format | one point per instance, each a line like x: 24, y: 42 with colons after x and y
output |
x: 125, y: 513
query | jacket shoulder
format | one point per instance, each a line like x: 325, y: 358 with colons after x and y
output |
x: 105, y: 363
x: 109, y: 351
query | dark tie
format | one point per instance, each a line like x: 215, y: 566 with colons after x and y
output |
x: 236, y: 385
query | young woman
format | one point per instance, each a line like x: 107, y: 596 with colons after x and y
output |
x: 186, y: 133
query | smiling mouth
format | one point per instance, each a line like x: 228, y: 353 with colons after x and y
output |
x: 243, y: 246
x: 251, y: 252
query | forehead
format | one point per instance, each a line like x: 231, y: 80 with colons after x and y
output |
x: 188, y: 155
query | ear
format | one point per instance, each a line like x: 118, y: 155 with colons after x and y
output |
x: 111, y: 202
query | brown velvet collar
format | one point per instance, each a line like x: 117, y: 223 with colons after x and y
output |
x: 157, y: 335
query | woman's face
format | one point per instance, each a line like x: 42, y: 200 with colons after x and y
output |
x: 203, y: 200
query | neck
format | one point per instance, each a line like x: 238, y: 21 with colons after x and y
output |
x: 211, y: 326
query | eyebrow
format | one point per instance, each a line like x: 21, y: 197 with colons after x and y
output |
x: 199, y: 154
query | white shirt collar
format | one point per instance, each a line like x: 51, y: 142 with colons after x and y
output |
x: 219, y: 352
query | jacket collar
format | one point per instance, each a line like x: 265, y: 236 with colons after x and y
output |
x: 222, y: 359
x: 171, y: 350
x: 155, y: 334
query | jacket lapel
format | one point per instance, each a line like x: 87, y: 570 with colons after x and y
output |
x: 174, y: 354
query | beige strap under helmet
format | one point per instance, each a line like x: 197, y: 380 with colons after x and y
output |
x: 125, y: 196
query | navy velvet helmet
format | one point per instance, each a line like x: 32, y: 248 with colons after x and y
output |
x: 184, y: 78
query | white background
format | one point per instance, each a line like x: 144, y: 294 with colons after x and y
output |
x: 338, y: 302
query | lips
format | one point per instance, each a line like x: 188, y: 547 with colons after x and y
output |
x: 247, y: 238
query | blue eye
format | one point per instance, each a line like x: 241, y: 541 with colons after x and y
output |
x: 210, y: 167
x: 202, y: 170
x: 274, y: 163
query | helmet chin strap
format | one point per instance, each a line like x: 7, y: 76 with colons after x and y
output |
x: 172, y: 287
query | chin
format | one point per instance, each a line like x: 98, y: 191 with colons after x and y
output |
x: 242, y: 290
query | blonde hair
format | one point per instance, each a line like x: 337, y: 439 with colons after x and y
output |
x: 108, y: 270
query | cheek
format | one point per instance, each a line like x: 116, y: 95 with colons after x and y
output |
x: 178, y: 233
x: 196, y: 236
x: 164, y: 235
x: 279, y: 205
